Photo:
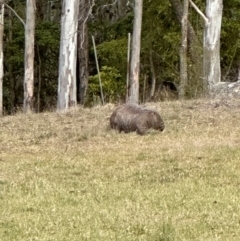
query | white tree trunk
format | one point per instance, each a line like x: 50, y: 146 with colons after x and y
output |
x: 135, y: 57
x: 68, y: 55
x: 29, y: 56
x: 211, y: 58
x: 1, y: 54
x: 183, y: 51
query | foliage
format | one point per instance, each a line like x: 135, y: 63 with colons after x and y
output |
x: 47, y: 34
x: 161, y: 33
x: 230, y: 43
x: 121, y: 28
x: 112, y: 85
x: 114, y: 54
x: 13, y: 63
x: 161, y: 37
x: 105, y: 29
x: 46, y: 62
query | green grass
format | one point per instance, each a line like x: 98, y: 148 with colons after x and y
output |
x: 68, y: 177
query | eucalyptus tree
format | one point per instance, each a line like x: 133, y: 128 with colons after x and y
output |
x: 183, y: 51
x: 135, y: 54
x: 68, y: 55
x: 29, y: 27
x: 211, y: 41
x: 211, y: 56
x: 29, y: 56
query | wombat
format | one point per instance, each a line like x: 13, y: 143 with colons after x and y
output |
x: 130, y: 118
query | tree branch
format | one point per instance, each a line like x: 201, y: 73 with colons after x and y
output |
x: 106, y: 5
x: 16, y: 14
x: 199, y: 11
x: 85, y: 20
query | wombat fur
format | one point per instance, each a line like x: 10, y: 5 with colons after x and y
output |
x: 130, y: 118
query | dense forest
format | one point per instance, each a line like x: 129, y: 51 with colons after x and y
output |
x: 110, y: 22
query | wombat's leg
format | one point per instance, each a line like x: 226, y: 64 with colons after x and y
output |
x: 120, y: 129
x: 141, y: 130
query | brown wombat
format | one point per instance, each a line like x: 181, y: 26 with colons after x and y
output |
x: 129, y: 118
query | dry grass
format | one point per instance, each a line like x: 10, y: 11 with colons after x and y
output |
x: 68, y: 177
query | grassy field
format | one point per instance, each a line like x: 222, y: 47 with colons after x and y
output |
x: 68, y: 177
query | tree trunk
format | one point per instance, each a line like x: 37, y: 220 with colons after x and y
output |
x: 39, y: 67
x: 10, y: 65
x: 238, y: 79
x: 83, y: 73
x: 178, y: 9
x: 183, y: 51
x: 194, y: 47
x: 29, y: 56
x: 153, y: 84
x: 1, y: 54
x: 128, y: 66
x: 211, y: 55
x: 68, y: 55
x: 135, y: 58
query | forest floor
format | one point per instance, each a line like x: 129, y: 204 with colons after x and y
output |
x: 69, y: 177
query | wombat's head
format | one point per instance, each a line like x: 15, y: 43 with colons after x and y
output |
x: 158, y: 123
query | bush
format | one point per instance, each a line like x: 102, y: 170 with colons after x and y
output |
x: 112, y: 84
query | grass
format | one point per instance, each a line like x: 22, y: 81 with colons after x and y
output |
x: 68, y: 177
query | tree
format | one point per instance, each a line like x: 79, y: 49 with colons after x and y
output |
x: 183, y: 51
x: 1, y: 54
x: 211, y: 55
x: 153, y: 87
x: 29, y: 56
x: 83, y: 73
x: 211, y: 42
x: 194, y: 49
x: 110, y: 22
x: 238, y: 76
x: 68, y: 55
x: 192, y: 37
x: 135, y: 54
